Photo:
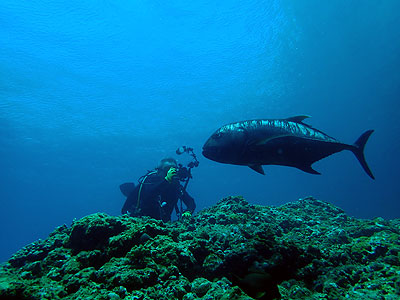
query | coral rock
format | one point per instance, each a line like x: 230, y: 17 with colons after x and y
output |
x: 306, y: 249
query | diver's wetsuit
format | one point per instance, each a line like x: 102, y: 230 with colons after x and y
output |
x: 156, y: 191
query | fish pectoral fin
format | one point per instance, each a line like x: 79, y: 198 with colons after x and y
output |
x: 259, y: 295
x: 257, y: 168
x: 298, y: 119
x: 308, y: 169
x: 267, y: 140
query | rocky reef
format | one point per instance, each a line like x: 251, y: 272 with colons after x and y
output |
x: 307, y: 249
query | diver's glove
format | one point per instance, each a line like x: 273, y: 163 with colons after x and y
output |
x: 170, y: 175
x: 186, y: 215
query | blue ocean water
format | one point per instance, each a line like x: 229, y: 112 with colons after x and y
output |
x: 95, y: 93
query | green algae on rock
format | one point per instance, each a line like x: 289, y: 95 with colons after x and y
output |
x: 307, y: 249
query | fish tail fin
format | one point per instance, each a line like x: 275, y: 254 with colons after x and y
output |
x: 358, y: 150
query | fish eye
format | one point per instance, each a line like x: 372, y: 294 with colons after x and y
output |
x: 218, y: 135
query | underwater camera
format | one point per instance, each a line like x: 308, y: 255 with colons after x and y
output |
x: 184, y: 173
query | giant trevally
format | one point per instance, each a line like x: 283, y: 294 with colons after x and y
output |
x: 285, y: 142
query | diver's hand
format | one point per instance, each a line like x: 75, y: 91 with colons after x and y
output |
x: 170, y: 175
x: 186, y: 215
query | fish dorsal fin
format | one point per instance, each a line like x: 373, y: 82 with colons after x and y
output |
x: 297, y: 119
x: 257, y: 168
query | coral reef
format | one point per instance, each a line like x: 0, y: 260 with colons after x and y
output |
x: 307, y: 249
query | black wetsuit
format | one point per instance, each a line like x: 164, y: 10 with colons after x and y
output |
x: 157, y: 199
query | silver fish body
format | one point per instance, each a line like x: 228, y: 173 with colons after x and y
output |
x: 286, y: 142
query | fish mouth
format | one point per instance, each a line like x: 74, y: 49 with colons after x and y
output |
x: 206, y: 153
x: 209, y: 152
x: 212, y: 152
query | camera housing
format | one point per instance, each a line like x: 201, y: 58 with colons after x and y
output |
x: 183, y: 173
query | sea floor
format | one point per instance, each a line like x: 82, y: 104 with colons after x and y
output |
x: 306, y: 249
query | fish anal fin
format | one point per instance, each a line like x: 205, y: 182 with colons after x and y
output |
x: 298, y: 119
x: 308, y: 169
x: 257, y: 168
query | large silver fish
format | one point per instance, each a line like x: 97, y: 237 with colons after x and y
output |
x: 285, y: 142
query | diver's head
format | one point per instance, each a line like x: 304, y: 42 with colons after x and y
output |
x: 165, y: 164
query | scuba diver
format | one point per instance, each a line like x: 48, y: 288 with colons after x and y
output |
x: 158, y: 191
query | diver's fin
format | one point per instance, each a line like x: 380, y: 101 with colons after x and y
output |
x: 257, y: 168
x: 358, y: 150
x: 127, y: 188
x: 297, y: 119
x: 308, y: 169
